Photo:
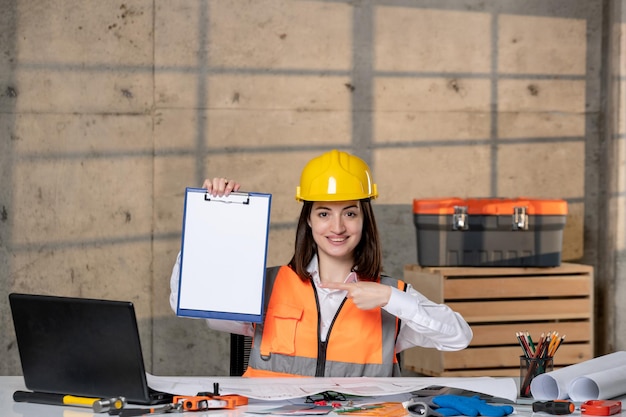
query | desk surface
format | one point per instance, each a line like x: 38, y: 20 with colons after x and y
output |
x: 9, y: 408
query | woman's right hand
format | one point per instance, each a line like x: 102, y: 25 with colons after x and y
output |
x: 220, y: 186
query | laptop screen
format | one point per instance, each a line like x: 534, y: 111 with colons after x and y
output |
x: 79, y: 346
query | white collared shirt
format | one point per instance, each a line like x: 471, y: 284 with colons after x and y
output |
x: 329, y: 299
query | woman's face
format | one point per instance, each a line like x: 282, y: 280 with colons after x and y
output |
x: 337, y: 227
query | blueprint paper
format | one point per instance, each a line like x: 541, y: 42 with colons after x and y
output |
x: 600, y: 385
x: 274, y: 389
x: 557, y: 384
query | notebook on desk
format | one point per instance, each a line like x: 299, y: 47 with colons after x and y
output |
x: 79, y: 346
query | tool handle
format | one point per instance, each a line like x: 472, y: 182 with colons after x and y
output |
x: 556, y: 407
x: 52, y: 399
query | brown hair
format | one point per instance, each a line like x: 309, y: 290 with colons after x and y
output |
x: 367, y: 254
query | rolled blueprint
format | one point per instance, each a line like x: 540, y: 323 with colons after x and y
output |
x: 599, y: 386
x: 557, y: 384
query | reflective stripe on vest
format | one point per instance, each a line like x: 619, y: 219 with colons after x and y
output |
x: 287, y: 343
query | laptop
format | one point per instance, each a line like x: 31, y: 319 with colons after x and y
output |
x: 83, y: 347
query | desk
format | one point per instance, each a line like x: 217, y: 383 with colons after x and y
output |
x: 9, y: 408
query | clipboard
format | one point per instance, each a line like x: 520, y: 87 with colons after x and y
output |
x: 223, y: 255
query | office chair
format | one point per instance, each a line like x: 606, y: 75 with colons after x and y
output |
x: 240, y: 347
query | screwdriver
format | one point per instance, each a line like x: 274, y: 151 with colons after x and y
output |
x: 558, y: 407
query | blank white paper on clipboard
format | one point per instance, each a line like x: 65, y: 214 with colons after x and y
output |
x: 223, y: 255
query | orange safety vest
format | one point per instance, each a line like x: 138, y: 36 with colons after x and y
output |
x: 288, y: 343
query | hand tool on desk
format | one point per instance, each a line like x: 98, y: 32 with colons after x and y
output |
x: 557, y: 407
x: 601, y: 407
x: 419, y: 408
x: 107, y: 404
x: 202, y: 402
x: 98, y: 404
x: 209, y: 400
x: 133, y: 412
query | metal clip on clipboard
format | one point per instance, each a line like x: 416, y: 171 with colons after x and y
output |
x: 234, y: 197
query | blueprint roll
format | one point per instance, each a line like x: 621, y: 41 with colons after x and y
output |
x: 556, y: 385
x: 600, y: 385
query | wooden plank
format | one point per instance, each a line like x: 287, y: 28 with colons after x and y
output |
x: 503, y: 372
x: 507, y: 287
x: 563, y: 269
x: 507, y: 357
x: 504, y: 334
x: 423, y: 359
x: 524, y: 310
x: 431, y: 286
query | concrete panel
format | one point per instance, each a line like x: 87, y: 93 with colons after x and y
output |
x: 89, y: 57
x: 574, y: 233
x: 430, y: 172
x: 432, y: 40
x: 172, y: 176
x: 621, y: 201
x: 542, y: 45
x: 102, y: 209
x: 281, y: 246
x: 177, y: 50
x: 621, y: 122
x: 437, y: 94
x: 420, y: 126
x: 540, y: 125
x: 397, y: 236
x: 280, y: 34
x: 53, y: 136
x: 557, y: 170
x: 260, y: 34
x: 46, y: 90
x: 270, y: 91
x: 530, y: 95
x: 91, y: 32
x: 271, y: 128
x: 178, y: 129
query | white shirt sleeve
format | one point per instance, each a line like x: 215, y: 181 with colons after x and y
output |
x: 426, y: 323
x: 229, y: 326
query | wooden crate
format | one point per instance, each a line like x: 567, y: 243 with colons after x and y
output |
x: 497, y: 303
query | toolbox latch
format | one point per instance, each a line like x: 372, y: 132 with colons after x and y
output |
x: 459, y: 219
x: 520, y: 218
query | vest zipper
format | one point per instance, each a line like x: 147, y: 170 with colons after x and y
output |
x: 322, y: 347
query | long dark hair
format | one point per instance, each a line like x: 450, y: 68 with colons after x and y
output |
x: 367, y: 254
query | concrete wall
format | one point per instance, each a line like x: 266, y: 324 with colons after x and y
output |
x: 617, y: 148
x: 109, y: 109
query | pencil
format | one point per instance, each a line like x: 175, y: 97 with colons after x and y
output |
x: 557, y: 345
x: 530, y: 341
x: 523, y: 344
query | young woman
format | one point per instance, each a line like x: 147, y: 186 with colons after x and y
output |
x: 332, y: 312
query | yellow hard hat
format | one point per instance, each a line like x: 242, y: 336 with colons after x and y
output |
x: 336, y: 176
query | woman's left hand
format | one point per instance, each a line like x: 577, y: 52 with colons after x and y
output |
x: 364, y: 294
x: 220, y: 186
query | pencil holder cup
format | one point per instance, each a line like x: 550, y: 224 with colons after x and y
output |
x: 529, y: 368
